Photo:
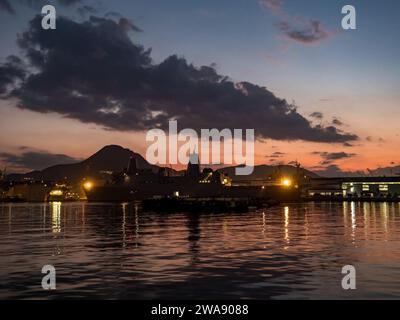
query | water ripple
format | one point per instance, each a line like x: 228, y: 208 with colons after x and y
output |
x: 106, y: 251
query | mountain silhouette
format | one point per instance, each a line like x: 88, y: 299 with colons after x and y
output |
x: 110, y: 158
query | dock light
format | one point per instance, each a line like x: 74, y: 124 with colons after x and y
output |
x: 56, y: 193
x: 286, y: 182
x: 88, y: 185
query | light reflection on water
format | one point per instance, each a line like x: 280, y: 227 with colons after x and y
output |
x: 115, y: 251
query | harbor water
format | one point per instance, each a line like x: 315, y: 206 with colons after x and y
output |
x: 115, y: 251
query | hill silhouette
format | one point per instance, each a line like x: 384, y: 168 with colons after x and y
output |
x: 110, y: 158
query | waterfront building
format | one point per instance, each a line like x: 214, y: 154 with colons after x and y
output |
x: 355, y: 187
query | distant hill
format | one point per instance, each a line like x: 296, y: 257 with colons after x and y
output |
x: 334, y: 171
x: 385, y: 171
x: 262, y: 172
x: 109, y: 158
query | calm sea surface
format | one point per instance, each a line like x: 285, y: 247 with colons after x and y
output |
x: 106, y: 251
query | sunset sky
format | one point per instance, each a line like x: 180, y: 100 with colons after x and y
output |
x: 331, y: 97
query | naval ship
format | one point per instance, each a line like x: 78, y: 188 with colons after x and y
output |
x: 134, y: 184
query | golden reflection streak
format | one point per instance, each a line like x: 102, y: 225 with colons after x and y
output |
x: 385, y: 211
x: 287, y: 213
x: 353, y: 220
x: 56, y: 217
x: 345, y: 210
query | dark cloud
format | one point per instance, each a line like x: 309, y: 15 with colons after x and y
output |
x: 307, y: 33
x: 124, y: 23
x: 335, y: 155
x: 6, y: 6
x: 317, y: 115
x: 337, y: 122
x: 297, y: 28
x: 332, y: 156
x: 10, y: 72
x: 35, y: 160
x: 93, y: 72
x: 276, y: 155
x: 128, y: 25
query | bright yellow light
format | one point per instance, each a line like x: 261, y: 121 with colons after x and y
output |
x: 56, y: 193
x: 88, y: 185
x: 286, y: 182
